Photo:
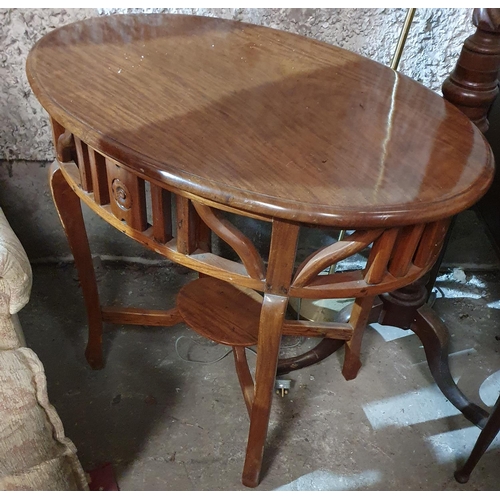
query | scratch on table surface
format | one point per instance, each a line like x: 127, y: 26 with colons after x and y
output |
x: 181, y: 421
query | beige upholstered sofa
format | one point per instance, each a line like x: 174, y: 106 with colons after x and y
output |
x: 34, y: 452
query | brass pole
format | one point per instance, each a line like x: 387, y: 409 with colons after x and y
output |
x: 402, y: 39
x: 340, y: 238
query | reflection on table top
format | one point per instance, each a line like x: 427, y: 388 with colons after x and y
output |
x: 260, y: 119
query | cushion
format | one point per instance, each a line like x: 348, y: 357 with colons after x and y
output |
x: 34, y: 452
x: 15, y: 269
x: 15, y: 285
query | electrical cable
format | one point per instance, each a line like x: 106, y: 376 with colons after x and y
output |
x: 196, y: 360
x: 200, y: 362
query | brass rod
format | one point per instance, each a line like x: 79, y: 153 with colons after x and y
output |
x: 402, y: 39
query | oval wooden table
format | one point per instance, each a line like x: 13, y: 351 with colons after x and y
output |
x: 223, y: 117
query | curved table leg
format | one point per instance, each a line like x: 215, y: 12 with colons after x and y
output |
x: 244, y: 376
x: 271, y: 322
x: 434, y: 336
x: 70, y: 212
x: 483, y: 442
x: 360, y: 313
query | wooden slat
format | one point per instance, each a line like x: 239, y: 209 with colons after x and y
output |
x: 221, y: 206
x: 342, y: 331
x: 336, y: 252
x: 244, y: 376
x: 380, y: 254
x: 83, y: 161
x: 99, y: 177
x: 63, y: 142
x: 203, y: 233
x: 431, y: 242
x: 242, y: 245
x: 57, y: 130
x: 161, y: 202
x: 404, y: 249
x: 352, y: 284
x: 190, y: 235
x: 284, y: 239
x: 127, y: 196
x: 134, y: 316
x: 225, y: 267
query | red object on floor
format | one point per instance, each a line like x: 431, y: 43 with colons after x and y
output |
x: 103, y: 478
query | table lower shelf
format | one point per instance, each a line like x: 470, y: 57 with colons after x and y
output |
x: 222, y: 312
x: 229, y: 314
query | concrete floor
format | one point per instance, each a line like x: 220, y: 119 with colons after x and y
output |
x: 168, y: 424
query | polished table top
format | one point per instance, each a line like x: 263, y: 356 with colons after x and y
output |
x: 261, y: 120
x: 281, y: 126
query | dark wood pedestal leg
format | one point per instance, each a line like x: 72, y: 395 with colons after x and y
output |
x: 483, y: 442
x: 405, y: 308
x: 271, y: 322
x: 400, y: 306
x: 434, y: 337
x: 318, y: 353
x: 70, y: 212
x: 326, y: 347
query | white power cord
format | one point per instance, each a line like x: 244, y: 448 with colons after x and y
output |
x: 220, y: 358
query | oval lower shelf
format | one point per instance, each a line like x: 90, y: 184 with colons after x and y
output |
x: 222, y: 312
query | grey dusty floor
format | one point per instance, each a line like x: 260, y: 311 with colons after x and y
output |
x: 168, y: 424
